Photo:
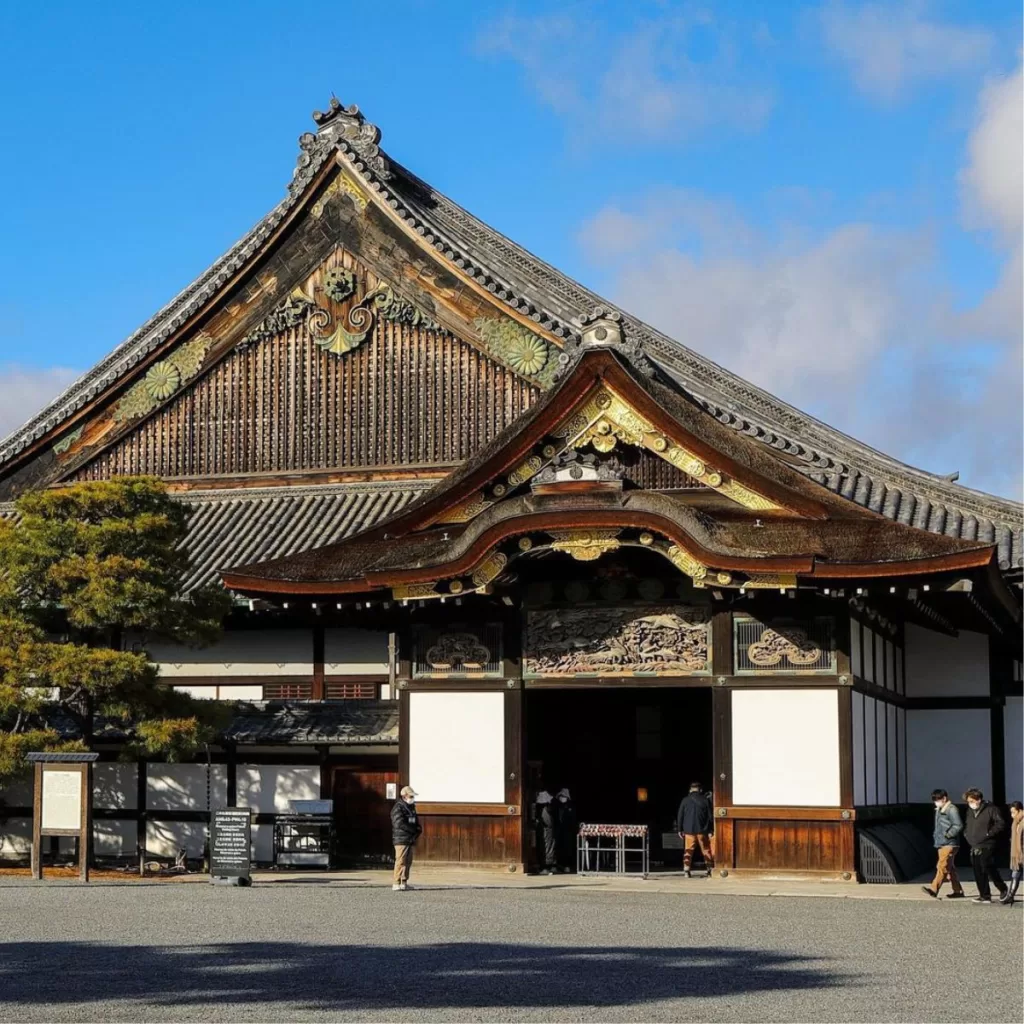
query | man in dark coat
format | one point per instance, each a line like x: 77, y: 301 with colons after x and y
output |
x: 405, y: 830
x: 982, y: 829
x: 694, y: 824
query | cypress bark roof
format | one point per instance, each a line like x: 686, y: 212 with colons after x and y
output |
x: 532, y: 288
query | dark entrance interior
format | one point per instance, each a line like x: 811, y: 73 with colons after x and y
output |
x: 626, y: 754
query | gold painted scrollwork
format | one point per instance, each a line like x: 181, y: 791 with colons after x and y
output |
x: 490, y: 568
x: 791, y: 643
x: 685, y: 562
x: 586, y: 545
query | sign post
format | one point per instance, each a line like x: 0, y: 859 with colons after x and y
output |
x: 62, y: 804
x: 230, y: 846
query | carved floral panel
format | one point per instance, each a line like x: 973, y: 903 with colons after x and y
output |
x: 661, y: 641
x: 783, y: 647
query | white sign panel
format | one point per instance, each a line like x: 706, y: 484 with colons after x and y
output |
x: 457, y: 747
x: 62, y: 799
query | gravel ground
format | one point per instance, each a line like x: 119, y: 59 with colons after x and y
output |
x: 332, y: 951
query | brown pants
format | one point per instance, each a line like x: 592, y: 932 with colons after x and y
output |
x: 690, y: 843
x: 946, y: 869
x: 403, y: 862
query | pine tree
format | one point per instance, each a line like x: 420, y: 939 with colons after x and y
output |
x: 81, y: 568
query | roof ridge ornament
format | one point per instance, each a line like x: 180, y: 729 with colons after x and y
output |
x: 344, y: 127
x: 602, y: 328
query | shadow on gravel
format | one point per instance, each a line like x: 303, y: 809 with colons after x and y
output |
x: 369, y: 978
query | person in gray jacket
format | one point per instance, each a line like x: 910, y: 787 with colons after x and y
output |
x: 946, y: 838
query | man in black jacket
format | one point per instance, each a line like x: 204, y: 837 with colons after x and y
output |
x: 981, y: 830
x: 694, y: 824
x: 405, y: 830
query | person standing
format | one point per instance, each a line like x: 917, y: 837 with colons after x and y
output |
x: 694, y: 824
x: 545, y: 824
x: 565, y: 830
x: 946, y: 839
x: 982, y: 829
x: 405, y: 830
x: 1016, y: 851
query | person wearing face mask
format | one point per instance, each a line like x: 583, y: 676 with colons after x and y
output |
x: 982, y: 830
x: 1016, y: 851
x: 565, y: 830
x: 545, y: 822
x: 405, y: 830
x: 946, y: 838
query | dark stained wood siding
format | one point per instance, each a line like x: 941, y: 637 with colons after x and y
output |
x: 790, y: 845
x: 408, y: 396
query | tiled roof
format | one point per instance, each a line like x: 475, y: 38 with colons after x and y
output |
x: 235, y: 527
x: 244, y: 525
x: 340, y: 722
x: 533, y: 288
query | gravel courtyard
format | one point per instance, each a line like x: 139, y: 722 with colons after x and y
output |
x: 322, y: 950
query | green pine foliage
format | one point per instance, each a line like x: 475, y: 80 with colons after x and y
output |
x: 80, y: 568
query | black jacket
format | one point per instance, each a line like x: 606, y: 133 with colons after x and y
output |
x: 983, y: 826
x: 694, y: 817
x: 405, y: 824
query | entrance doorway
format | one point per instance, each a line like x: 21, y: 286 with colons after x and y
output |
x: 627, y: 755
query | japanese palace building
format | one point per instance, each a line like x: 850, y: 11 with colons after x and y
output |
x: 488, y: 531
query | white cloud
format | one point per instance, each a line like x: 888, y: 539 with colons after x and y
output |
x: 855, y: 326
x: 890, y: 48
x: 26, y: 390
x: 640, y: 87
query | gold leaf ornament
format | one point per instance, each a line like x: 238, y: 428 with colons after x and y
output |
x: 162, y: 380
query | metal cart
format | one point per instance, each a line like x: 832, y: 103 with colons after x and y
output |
x: 304, y: 837
x: 613, y: 850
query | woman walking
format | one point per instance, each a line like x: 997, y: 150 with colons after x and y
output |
x: 1016, y: 851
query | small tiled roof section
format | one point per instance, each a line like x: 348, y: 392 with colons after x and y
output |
x: 235, y: 527
x: 241, y: 526
x: 345, y: 722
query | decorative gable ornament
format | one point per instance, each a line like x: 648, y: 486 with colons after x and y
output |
x: 602, y: 328
x: 345, y: 128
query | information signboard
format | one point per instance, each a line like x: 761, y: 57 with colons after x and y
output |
x: 62, y: 800
x: 230, y: 843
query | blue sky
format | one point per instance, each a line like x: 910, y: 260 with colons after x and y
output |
x: 823, y: 197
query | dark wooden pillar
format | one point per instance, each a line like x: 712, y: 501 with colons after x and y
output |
x: 318, y: 662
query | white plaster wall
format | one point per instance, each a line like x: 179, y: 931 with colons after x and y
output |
x: 870, y: 757
x: 199, y: 692
x: 182, y: 787
x: 880, y: 758
x: 457, y: 747
x: 1013, y: 745
x: 901, y: 739
x: 891, y: 775
x: 858, y: 748
x: 270, y: 788
x: 946, y: 666
x: 240, y: 692
x: 267, y: 652
x: 15, y: 838
x: 262, y: 846
x: 354, y: 652
x: 115, y: 784
x: 869, y: 655
x: 165, y: 838
x: 948, y: 749
x: 785, y: 746
x: 112, y: 837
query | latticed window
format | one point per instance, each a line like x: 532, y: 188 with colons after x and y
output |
x: 350, y: 690
x: 784, y: 647
x: 458, y: 652
x: 287, y: 691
